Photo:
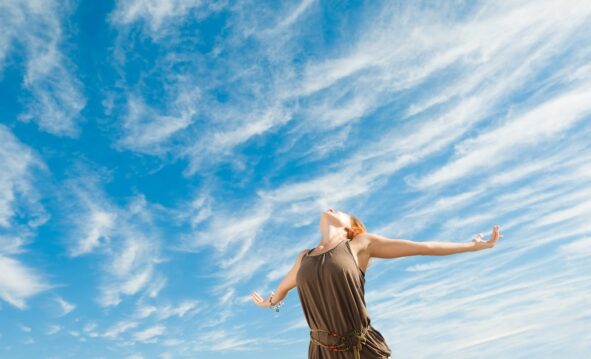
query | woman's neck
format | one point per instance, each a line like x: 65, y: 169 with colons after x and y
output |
x: 332, y: 235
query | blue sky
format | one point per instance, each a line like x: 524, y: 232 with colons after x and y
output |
x: 161, y: 160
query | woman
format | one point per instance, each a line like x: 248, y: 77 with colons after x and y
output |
x: 330, y: 281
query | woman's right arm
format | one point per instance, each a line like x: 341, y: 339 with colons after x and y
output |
x: 383, y: 247
x: 287, y: 284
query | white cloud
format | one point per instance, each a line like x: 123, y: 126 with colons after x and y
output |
x: 146, y: 130
x: 119, y: 328
x: 185, y: 308
x: 17, y: 178
x: 156, y: 285
x: 65, y: 306
x: 171, y: 343
x: 90, y: 327
x: 235, y: 126
x: 18, y: 282
x: 424, y: 267
x: 221, y: 340
x: 125, y: 283
x: 499, y: 145
x: 581, y: 210
x: 580, y: 248
x: 292, y: 17
x: 173, y: 127
x: 25, y: 328
x: 159, y: 13
x: 98, y: 225
x: 151, y: 334
x: 227, y: 296
x: 390, y: 55
x: 54, y: 95
x: 144, y: 311
x: 53, y: 329
x: 126, y: 238
x: 12, y: 244
x: 240, y: 232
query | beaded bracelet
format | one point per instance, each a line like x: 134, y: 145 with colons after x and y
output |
x: 277, y: 305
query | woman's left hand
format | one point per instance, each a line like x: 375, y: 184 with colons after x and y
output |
x: 495, y: 235
x: 258, y: 300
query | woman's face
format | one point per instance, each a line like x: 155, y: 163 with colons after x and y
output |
x: 334, y: 218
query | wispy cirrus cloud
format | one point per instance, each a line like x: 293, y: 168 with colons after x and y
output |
x: 119, y: 328
x: 53, y: 94
x: 147, y: 131
x: 20, y: 168
x: 218, y: 105
x: 159, y: 16
x: 98, y: 226
x: 65, y: 306
x: 19, y: 282
x: 150, y: 335
x: 20, y: 164
x: 223, y: 341
x: 187, y: 308
x: 130, y: 253
x: 541, y: 124
x: 53, y: 330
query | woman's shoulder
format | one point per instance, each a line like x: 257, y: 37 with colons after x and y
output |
x: 301, y: 255
x: 361, y: 241
x: 362, y: 237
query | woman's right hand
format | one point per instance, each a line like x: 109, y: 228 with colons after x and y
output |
x: 494, y: 237
x: 258, y: 300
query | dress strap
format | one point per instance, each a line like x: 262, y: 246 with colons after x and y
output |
x: 354, y: 260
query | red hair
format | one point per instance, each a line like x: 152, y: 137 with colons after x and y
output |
x: 357, y: 227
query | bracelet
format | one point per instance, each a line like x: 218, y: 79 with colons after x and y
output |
x: 277, y: 305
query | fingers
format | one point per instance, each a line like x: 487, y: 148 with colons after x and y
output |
x: 495, y: 230
x: 495, y: 235
x: 257, y: 299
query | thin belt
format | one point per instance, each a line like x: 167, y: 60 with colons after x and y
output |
x: 354, y: 339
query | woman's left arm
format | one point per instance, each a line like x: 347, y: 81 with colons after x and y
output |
x: 382, y: 247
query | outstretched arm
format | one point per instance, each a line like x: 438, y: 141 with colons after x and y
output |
x: 382, y: 247
x: 287, y: 284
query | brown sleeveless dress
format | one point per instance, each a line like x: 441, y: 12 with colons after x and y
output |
x: 331, y: 290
